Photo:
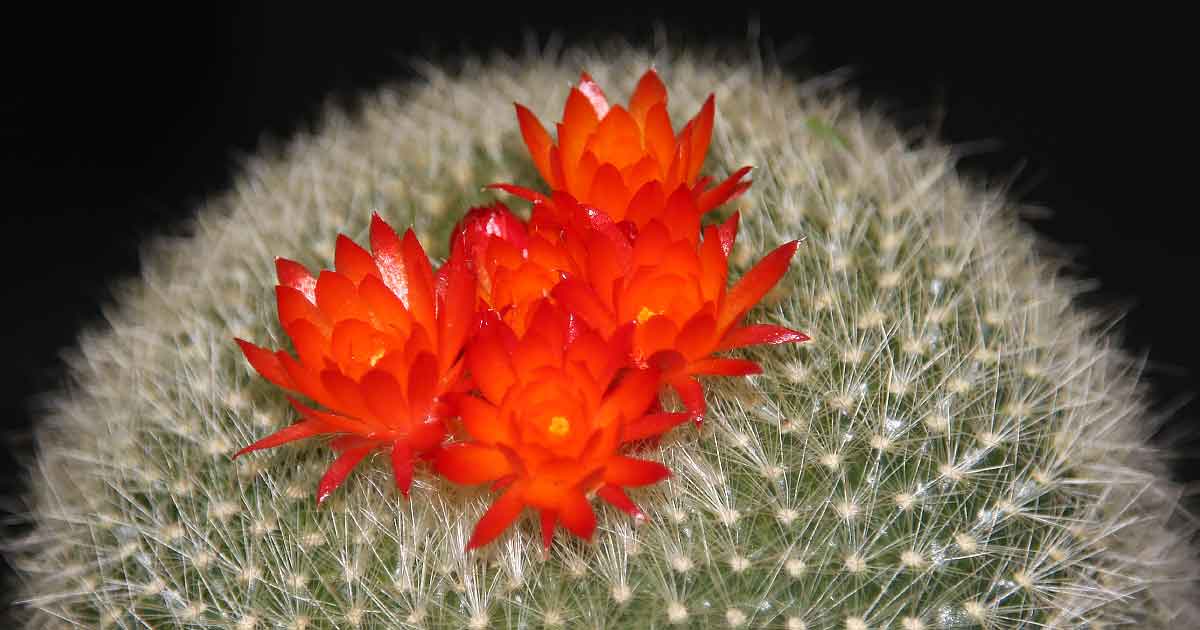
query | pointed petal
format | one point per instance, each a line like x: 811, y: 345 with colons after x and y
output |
x: 651, y: 425
x: 618, y: 499
x: 389, y: 312
x: 755, y: 284
x: 725, y: 367
x: 422, y: 386
x: 576, y: 515
x: 692, y: 394
x: 726, y: 190
x: 338, y: 471
x: 579, y: 298
x: 627, y: 471
x: 499, y: 516
x: 308, y: 381
x: 522, y: 192
x: 660, y: 138
x: 649, y: 92
x: 353, y: 261
x: 482, y: 421
x: 337, y: 297
x: 304, y: 429
x: 698, y: 336
x: 389, y: 259
x: 470, y: 464
x: 631, y: 397
x: 385, y: 399
x: 419, y: 273
x: 490, y: 365
x: 293, y: 274
x: 331, y: 421
x: 311, y: 344
x: 760, y: 334
x: 701, y: 133
x: 292, y: 305
x: 617, y: 139
x: 547, y: 520
x: 579, y: 119
x: 608, y: 192
x: 266, y: 363
x: 594, y: 94
x: 538, y: 140
x: 348, y: 394
x: 456, y: 315
x: 402, y: 466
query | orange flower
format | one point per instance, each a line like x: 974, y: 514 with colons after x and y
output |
x: 379, y: 342
x: 554, y: 408
x: 672, y: 286
x: 624, y: 162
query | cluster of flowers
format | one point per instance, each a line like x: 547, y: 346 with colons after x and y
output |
x: 534, y: 357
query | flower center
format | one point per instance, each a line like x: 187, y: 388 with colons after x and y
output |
x: 646, y: 314
x: 559, y: 425
x: 377, y: 356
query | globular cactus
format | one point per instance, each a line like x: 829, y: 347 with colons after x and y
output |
x: 958, y: 446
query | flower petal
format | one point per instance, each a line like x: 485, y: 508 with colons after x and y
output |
x: 618, y: 499
x: 338, y: 471
x: 469, y: 464
x: 755, y: 284
x: 306, y: 428
x: 538, y: 141
x: 651, y: 425
x: 548, y: 517
x: 499, y: 516
x: 627, y: 471
x: 352, y: 260
x: 649, y: 92
x: 266, y: 363
x: 760, y: 334
x: 482, y: 421
x: 389, y: 258
x: 575, y: 513
x: 294, y: 275
x: 385, y: 399
x: 692, y: 394
x: 402, y: 466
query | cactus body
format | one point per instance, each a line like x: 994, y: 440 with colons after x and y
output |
x: 957, y: 447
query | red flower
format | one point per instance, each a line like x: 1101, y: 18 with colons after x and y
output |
x: 379, y: 343
x: 554, y: 408
x: 673, y: 287
x: 666, y: 281
x: 625, y: 162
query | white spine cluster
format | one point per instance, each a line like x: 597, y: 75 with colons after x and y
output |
x: 957, y: 447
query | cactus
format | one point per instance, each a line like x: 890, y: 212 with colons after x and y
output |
x: 958, y: 446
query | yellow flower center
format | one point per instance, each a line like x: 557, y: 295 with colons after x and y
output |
x: 377, y: 356
x: 646, y: 314
x: 559, y: 425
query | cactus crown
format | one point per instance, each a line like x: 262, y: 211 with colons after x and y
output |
x: 956, y: 448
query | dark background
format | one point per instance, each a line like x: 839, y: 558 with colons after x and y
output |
x: 115, y: 124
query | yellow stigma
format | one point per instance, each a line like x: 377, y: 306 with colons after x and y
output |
x: 377, y: 356
x: 646, y: 314
x: 559, y: 425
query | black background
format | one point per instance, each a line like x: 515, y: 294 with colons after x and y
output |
x: 116, y: 123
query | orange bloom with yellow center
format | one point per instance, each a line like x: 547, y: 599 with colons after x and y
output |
x: 672, y: 286
x: 625, y: 161
x: 379, y: 341
x: 553, y: 409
